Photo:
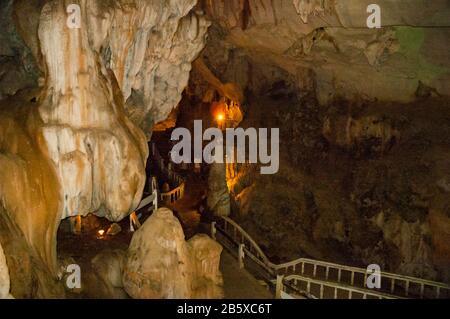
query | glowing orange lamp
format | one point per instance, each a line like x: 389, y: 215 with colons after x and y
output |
x: 220, y: 117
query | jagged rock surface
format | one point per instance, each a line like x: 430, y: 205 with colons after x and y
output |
x: 332, y: 39
x: 362, y: 177
x: 106, y: 278
x: 77, y: 144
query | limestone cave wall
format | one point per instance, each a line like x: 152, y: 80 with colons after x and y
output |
x: 79, y: 100
x: 364, y: 120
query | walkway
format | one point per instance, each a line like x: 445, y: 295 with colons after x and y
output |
x: 239, y: 283
x: 318, y: 279
x: 301, y: 277
x: 187, y: 207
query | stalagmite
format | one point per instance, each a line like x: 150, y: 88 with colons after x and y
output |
x: 77, y: 144
x: 161, y: 264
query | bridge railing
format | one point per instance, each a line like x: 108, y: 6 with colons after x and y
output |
x: 399, y: 285
x: 177, y: 193
x: 150, y: 201
x: 301, y: 285
x: 174, y: 195
x: 338, y: 276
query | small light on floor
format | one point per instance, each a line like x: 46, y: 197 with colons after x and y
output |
x: 101, y: 232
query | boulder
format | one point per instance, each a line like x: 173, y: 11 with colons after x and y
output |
x: 107, y: 275
x: 4, y: 277
x: 207, y: 261
x: 162, y: 265
x: 114, y: 230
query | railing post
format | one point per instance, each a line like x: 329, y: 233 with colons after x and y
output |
x: 131, y: 224
x: 213, y: 230
x: 155, y: 201
x: 134, y: 222
x: 279, y: 287
x: 154, y: 184
x: 241, y: 256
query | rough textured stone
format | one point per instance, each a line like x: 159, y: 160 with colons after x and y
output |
x: 73, y: 146
x: 332, y: 39
x: 30, y: 275
x: 369, y: 185
x: 4, y: 277
x: 151, y: 54
x: 206, y: 253
x: 99, y: 154
x: 161, y: 264
x: 106, y: 281
x: 218, y: 193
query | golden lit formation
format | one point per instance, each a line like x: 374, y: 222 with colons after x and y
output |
x: 224, y: 149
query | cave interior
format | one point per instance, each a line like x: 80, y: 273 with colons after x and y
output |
x: 192, y: 149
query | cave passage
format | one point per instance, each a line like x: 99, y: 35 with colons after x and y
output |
x: 226, y: 149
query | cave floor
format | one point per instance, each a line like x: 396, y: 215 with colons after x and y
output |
x: 239, y: 283
x: 187, y: 208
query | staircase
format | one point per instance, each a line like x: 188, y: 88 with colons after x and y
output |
x: 168, y: 171
x: 308, y: 278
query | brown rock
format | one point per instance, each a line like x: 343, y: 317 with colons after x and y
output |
x: 114, y: 230
x: 161, y: 264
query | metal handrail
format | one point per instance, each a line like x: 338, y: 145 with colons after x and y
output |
x: 179, y: 190
x: 239, y: 234
x: 360, y: 270
x: 336, y: 287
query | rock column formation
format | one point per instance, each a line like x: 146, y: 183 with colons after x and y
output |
x: 78, y: 144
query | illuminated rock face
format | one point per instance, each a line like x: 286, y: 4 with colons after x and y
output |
x: 152, y: 46
x: 4, y: 276
x: 100, y: 154
x: 161, y: 264
x: 332, y: 38
x: 78, y: 145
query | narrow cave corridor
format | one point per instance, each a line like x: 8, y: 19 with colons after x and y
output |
x: 226, y: 149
